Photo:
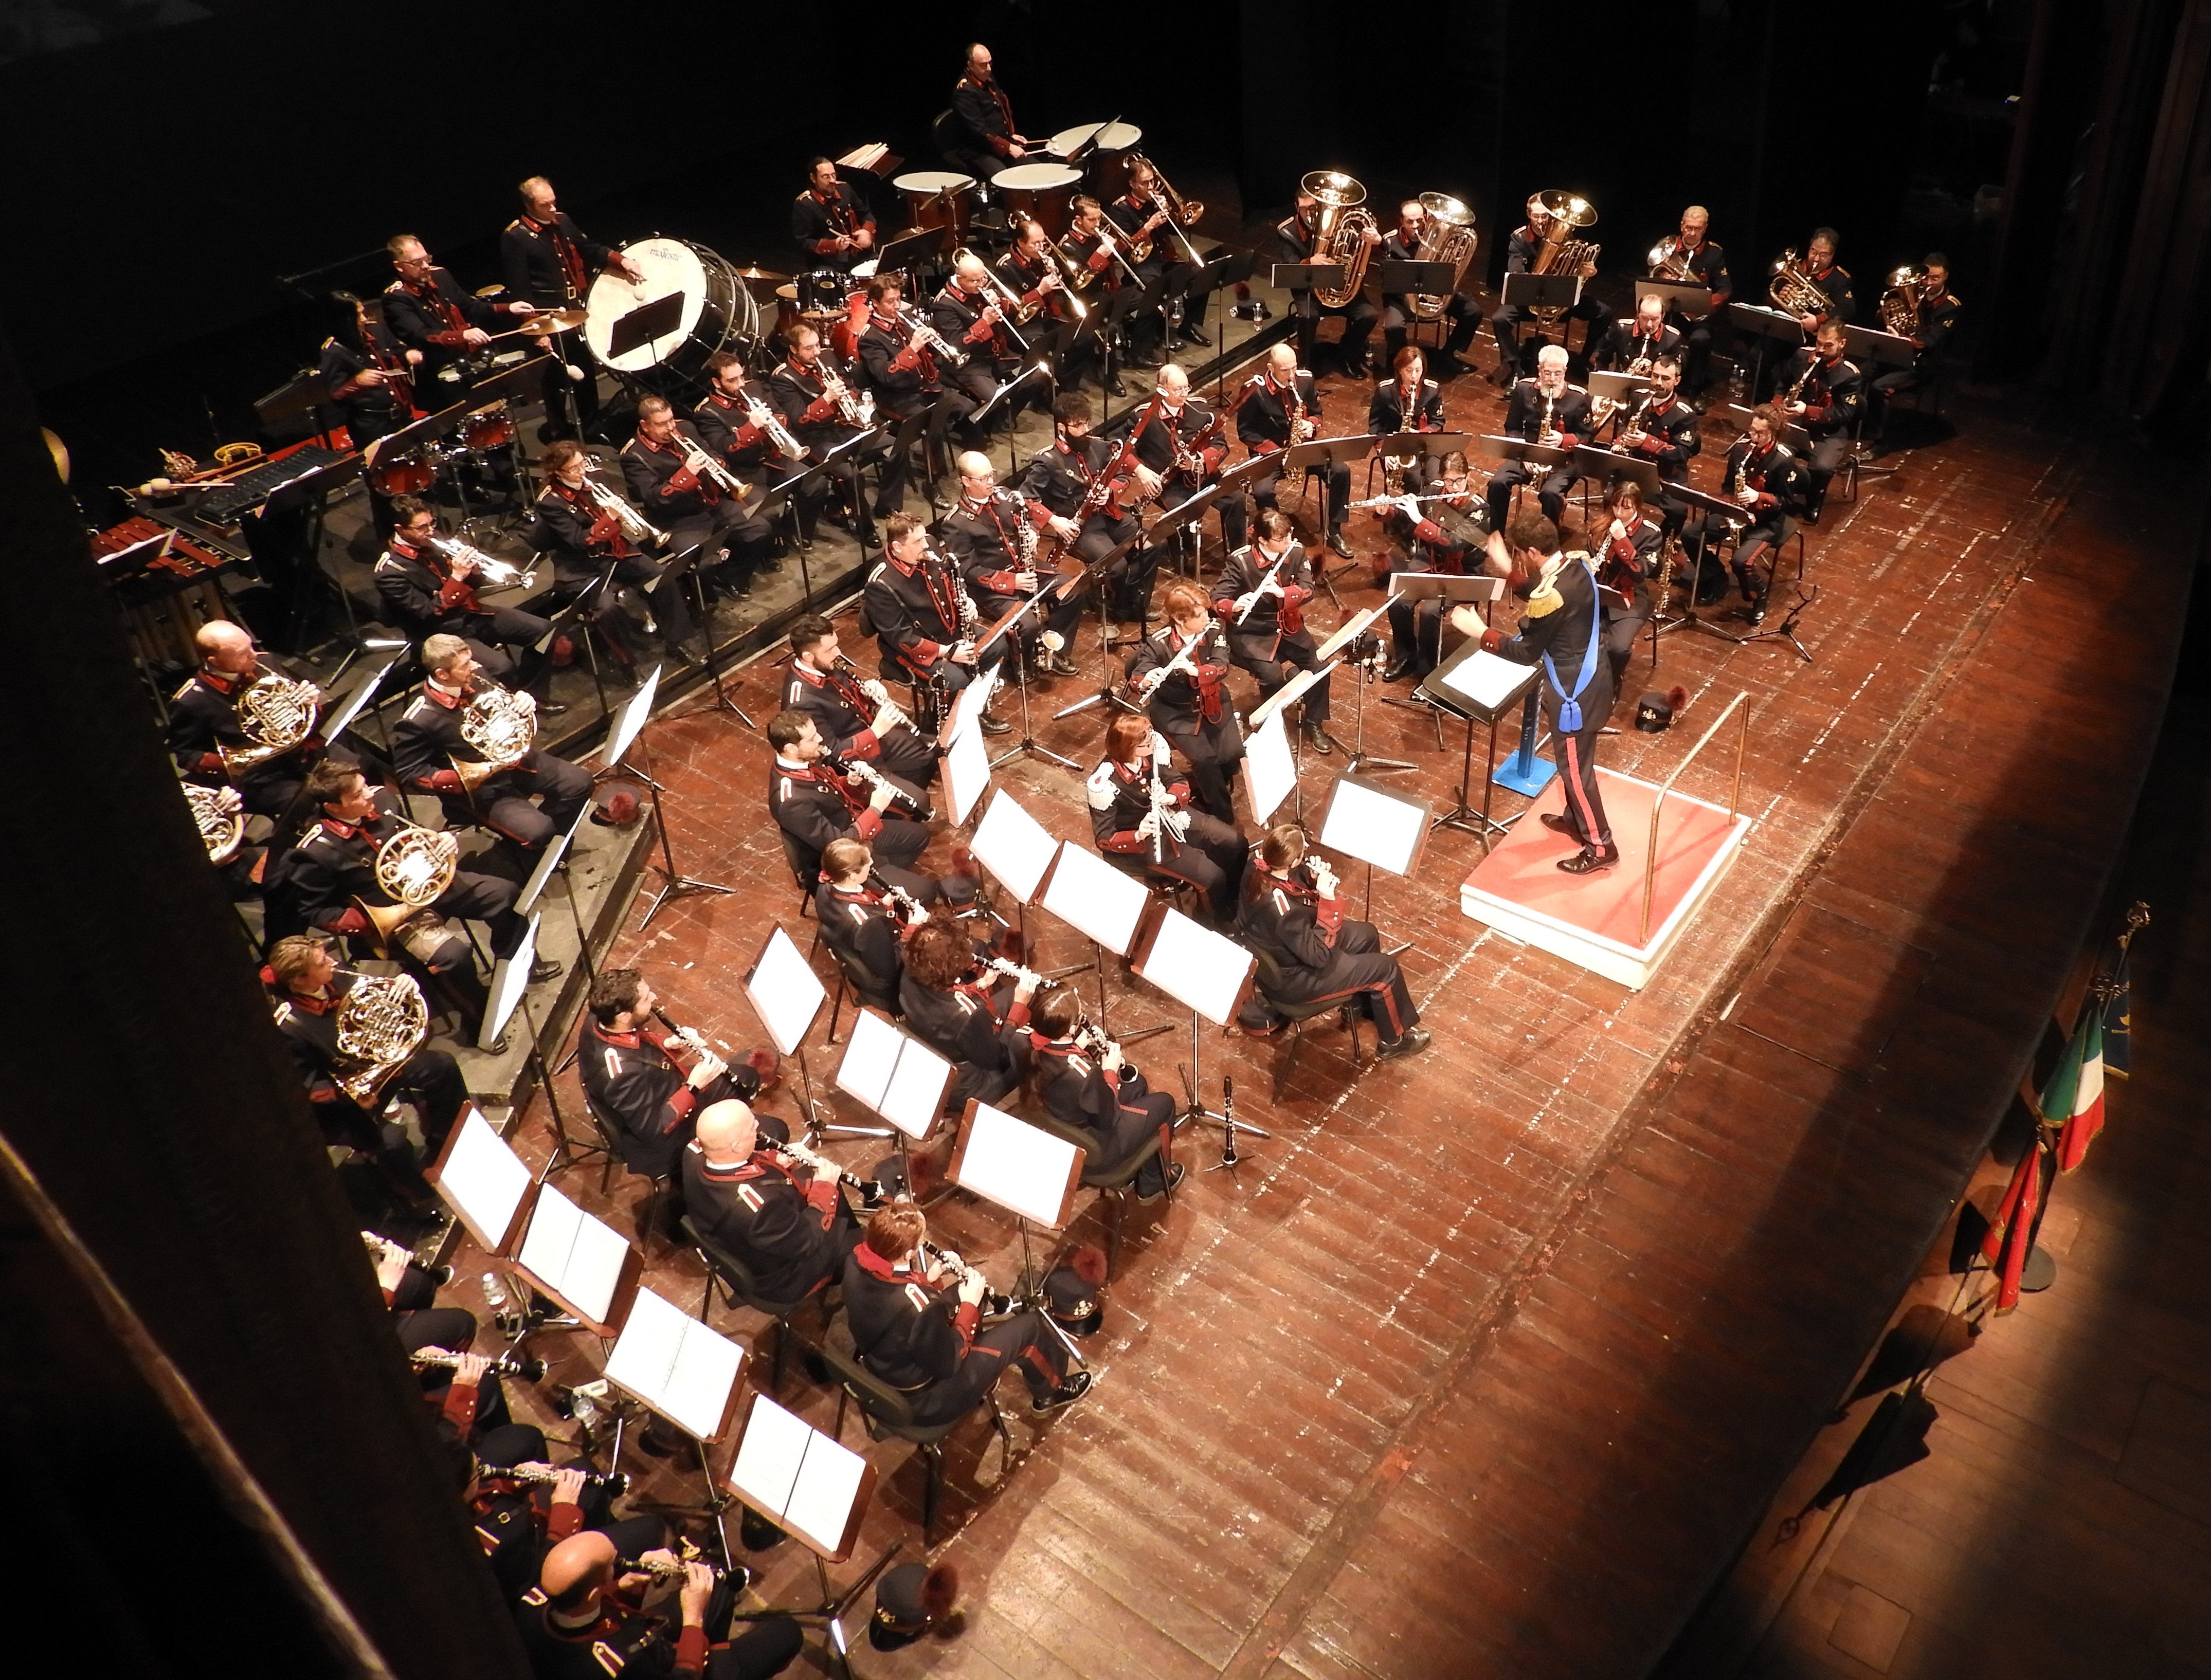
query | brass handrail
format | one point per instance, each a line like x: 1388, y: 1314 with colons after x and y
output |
x: 1734, y: 795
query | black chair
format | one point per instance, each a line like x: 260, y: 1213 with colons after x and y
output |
x: 946, y: 134
x: 735, y: 1280
x: 889, y: 1416
x: 866, y: 987
x: 613, y: 1145
x: 1115, y: 1186
x: 1268, y: 985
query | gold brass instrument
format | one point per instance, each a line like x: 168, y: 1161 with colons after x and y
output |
x: 1340, y: 233
x: 381, y: 1024
x: 1181, y: 212
x: 707, y: 467
x: 500, y: 723
x: 1447, y: 235
x: 1560, y: 253
x: 1666, y: 262
x: 220, y: 818
x: 414, y: 868
x: 634, y: 525
x: 276, y: 714
x: 1899, y: 303
x: 489, y: 568
x: 1010, y: 305
x: 1793, y: 291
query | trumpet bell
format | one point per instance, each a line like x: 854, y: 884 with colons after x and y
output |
x: 1334, y: 188
x: 1570, y: 208
x: 1445, y: 208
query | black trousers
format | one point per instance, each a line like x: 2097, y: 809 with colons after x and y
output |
x: 1577, y: 761
x: 489, y: 633
x: 1506, y: 322
x: 1271, y: 659
x: 1235, y: 513
x: 502, y: 804
x: 1356, y: 971
x: 1136, y: 1121
x: 1021, y: 1342
x: 1620, y: 635
x: 1551, y: 492
x: 899, y: 843
x: 842, y: 473
x: 1826, y: 459
x: 564, y: 396
x: 1214, y: 751
x: 1267, y: 488
x: 1398, y: 323
x: 1358, y: 316
x: 1212, y: 857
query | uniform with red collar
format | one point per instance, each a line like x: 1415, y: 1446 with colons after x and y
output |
x: 1201, y: 435
x: 370, y: 411
x: 1933, y: 320
x: 634, y: 1080
x: 203, y: 726
x: 1520, y: 252
x: 1441, y: 537
x: 584, y: 541
x: 914, y: 615
x: 1569, y: 415
x: 1320, y: 957
x: 982, y: 538
x: 1294, y: 238
x: 1397, y: 317
x: 979, y: 1026
x: 1392, y: 410
x: 992, y: 355
x: 843, y: 711
x: 921, y: 1339
x: 1778, y: 479
x: 816, y: 219
x: 1061, y: 478
x: 1273, y: 640
x: 703, y: 521
x: 1625, y: 565
x: 815, y: 418
x: 1166, y: 271
x: 1194, y: 713
x: 1211, y: 855
x: 426, y: 742
x: 907, y: 375
x: 1707, y: 263
x: 791, y: 1229
x: 867, y: 930
x: 1082, y: 356
x: 551, y: 264
x: 1625, y: 344
x: 1263, y: 414
x: 724, y: 426
x: 1670, y: 437
x: 433, y: 314
x: 986, y: 117
x: 616, y: 1636
x: 1835, y: 282
x: 308, y: 1024
x: 429, y: 600
x: 517, y: 1522
x: 813, y: 805
x: 1114, y: 1108
x: 1833, y: 395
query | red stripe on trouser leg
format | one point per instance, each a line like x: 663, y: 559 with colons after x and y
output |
x: 1577, y: 793
x: 1166, y: 1146
x: 1389, y: 1002
x: 1044, y: 1369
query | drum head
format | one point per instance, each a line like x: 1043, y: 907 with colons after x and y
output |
x: 822, y: 289
x: 922, y: 183
x: 1037, y: 177
x: 699, y: 306
x: 1098, y: 136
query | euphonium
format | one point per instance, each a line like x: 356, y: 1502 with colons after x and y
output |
x: 1340, y: 234
x: 276, y: 714
x: 1793, y: 291
x: 1447, y: 235
x: 499, y: 724
x: 1666, y: 262
x: 220, y: 818
x: 381, y: 1022
x: 1899, y: 303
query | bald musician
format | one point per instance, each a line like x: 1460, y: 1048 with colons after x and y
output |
x: 774, y: 1204
x: 206, y: 737
x: 585, y: 1619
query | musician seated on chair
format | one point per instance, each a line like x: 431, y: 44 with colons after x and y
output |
x: 1294, y: 915
x: 816, y: 798
x: 1825, y: 395
x: 585, y: 540
x: 205, y: 728
x: 1445, y: 531
x: 585, y: 1619
x: 334, y: 871
x: 1141, y: 215
x: 1521, y: 252
x: 1261, y: 598
x: 973, y: 1016
x: 1403, y: 246
x: 1181, y: 670
x: 705, y: 522
x: 1662, y: 429
x: 816, y: 393
x: 972, y: 317
x: 646, y: 1082
x: 986, y: 535
x: 916, y: 1327
x: 1765, y: 479
x: 1067, y: 494
x: 923, y: 624
x: 1266, y: 417
x: 906, y: 372
x: 1626, y: 549
x: 1184, y: 442
x: 984, y: 116
x: 736, y: 421
x: 1547, y: 411
x: 307, y: 991
x: 431, y: 749
x: 867, y: 912
x: 1407, y: 400
x: 1633, y: 342
x: 786, y: 1219
x: 1295, y: 238
x: 1208, y: 853
x: 853, y: 721
x: 1934, y: 319
x: 1087, y: 1084
x: 432, y: 592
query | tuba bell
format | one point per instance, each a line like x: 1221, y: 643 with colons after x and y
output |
x: 276, y: 714
x: 381, y: 1022
x: 1447, y: 235
x: 1899, y: 303
x: 500, y: 723
x: 1560, y: 253
x: 1340, y: 234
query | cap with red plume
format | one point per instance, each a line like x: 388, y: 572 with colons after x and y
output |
x: 766, y: 1064
x: 1088, y: 1263
x: 620, y: 810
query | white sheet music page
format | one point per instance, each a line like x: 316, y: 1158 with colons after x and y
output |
x: 579, y: 1255
x: 917, y: 1089
x: 821, y: 1504
x: 871, y: 1055
x: 1013, y: 846
x: 784, y: 992
x: 1370, y: 826
x: 1197, y: 967
x: 1017, y: 1166
x: 1488, y: 679
x: 551, y: 1236
x: 1094, y: 897
x: 676, y: 1365
x: 766, y: 1468
x: 482, y: 1178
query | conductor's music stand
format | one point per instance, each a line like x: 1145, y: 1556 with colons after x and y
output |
x: 1107, y: 906
x: 1479, y: 687
x: 1446, y: 591
x: 1210, y: 974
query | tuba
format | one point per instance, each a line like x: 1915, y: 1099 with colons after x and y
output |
x: 1558, y: 253
x: 221, y: 819
x: 1447, y: 235
x: 1792, y: 290
x: 414, y: 868
x: 499, y: 724
x: 382, y: 1022
x: 1665, y: 261
x: 1340, y: 234
x: 276, y: 714
x: 1899, y: 303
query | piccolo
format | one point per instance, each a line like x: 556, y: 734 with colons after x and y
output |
x: 615, y: 1482
x: 509, y: 1364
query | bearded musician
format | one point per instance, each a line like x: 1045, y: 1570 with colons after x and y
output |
x: 826, y: 413
x: 647, y: 1082
x: 829, y: 222
x: 1403, y: 246
x: 1084, y: 491
x: 1296, y: 240
x: 587, y: 543
x: 432, y: 591
x: 1823, y: 392
x: 906, y: 372
x: 1766, y: 481
x: 854, y: 724
x: 1180, y: 438
x: 1546, y: 411
x: 1279, y: 409
x: 1180, y: 670
x: 737, y: 422
x: 1445, y: 531
x: 1521, y: 250
x: 1261, y: 598
x: 1689, y: 254
x: 993, y: 539
x: 1818, y: 265
x: 1137, y: 804
x: 814, y: 800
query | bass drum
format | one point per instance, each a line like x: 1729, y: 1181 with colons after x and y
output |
x: 663, y: 328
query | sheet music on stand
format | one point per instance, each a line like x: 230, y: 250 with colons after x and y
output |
x: 1013, y: 846
x: 967, y: 772
x: 1289, y: 694
x: 1357, y: 625
x: 632, y: 721
x: 967, y: 708
x: 1094, y: 898
x: 784, y: 991
x: 580, y: 1259
x: 482, y: 1180
x: 1023, y: 1168
x: 895, y: 1074
x: 1198, y: 968
x: 363, y: 691
x: 1374, y: 824
x: 1270, y: 768
x: 802, y: 1480
x: 1488, y: 684
x: 683, y: 1369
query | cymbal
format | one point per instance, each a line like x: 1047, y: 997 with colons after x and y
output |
x: 757, y: 273
x: 491, y: 290
x: 557, y: 320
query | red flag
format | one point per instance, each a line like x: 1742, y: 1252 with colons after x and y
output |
x: 2011, y: 1233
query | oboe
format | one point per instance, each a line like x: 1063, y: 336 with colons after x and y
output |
x: 509, y: 1364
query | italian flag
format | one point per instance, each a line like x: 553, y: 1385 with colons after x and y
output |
x: 2073, y: 1101
x: 2011, y: 1233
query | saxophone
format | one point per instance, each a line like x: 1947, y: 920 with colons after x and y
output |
x: 382, y: 1022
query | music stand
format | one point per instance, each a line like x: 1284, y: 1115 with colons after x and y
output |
x: 357, y: 702
x: 661, y: 318
x: 1881, y: 349
x: 578, y: 1261
x: 556, y: 850
x: 1689, y: 298
x: 1279, y: 703
x: 1480, y: 687
x: 478, y: 1175
x: 685, y: 1373
x: 510, y: 989
x: 1187, y: 515
x: 1366, y: 659
x: 1398, y: 277
x: 967, y: 772
x: 1305, y: 277
x: 1537, y: 295
x: 1380, y: 828
x: 1299, y: 457
x: 1017, y: 650
x: 1270, y: 768
x: 1030, y: 1172
x: 1105, y: 905
x: 786, y: 994
x: 1609, y: 467
x: 1014, y: 847
x: 1209, y: 974
x: 1543, y: 455
x: 1769, y: 327
x: 1798, y: 440
x: 629, y: 729
x: 1618, y: 387
x: 895, y: 1075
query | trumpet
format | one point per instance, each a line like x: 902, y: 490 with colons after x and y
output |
x: 874, y: 689
x: 509, y: 1364
x: 1012, y: 309
x: 634, y: 525
x: 769, y: 421
x: 930, y: 339
x: 615, y: 1482
x: 489, y: 567
x: 705, y: 466
x: 852, y: 410
x: 993, y: 1302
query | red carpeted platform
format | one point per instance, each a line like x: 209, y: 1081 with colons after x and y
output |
x: 1597, y: 920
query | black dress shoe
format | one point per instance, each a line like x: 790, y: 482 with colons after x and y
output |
x: 1319, y: 740
x: 1058, y: 665
x: 1755, y: 614
x: 1556, y: 822
x: 1194, y: 335
x: 542, y: 969
x: 1174, y: 1177
x: 1336, y: 542
x: 1401, y: 670
x: 1587, y: 861
x: 994, y: 725
x: 1409, y: 1043
x: 551, y: 708
x: 1076, y: 1385
x: 1115, y: 387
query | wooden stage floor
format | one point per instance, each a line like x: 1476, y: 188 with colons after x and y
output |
x: 1488, y: 1361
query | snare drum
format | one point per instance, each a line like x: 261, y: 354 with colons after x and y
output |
x: 938, y: 198
x: 488, y: 429
x: 1044, y: 191
x: 713, y: 309
x: 821, y: 294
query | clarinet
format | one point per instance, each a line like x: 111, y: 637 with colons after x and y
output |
x: 1012, y: 970
x: 995, y: 1305
x: 690, y: 1037
x: 1170, y: 821
x: 897, y: 895
x: 874, y: 691
x: 871, y: 1191
x: 615, y: 1482
x: 509, y: 1364
x: 859, y: 770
